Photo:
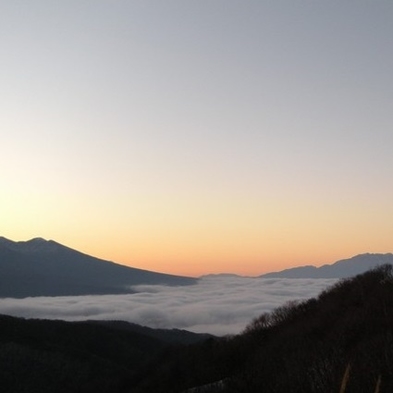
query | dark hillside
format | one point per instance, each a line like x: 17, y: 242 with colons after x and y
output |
x: 170, y: 336
x: 57, y: 356
x: 307, y: 347
x: 340, y: 342
x: 299, y: 347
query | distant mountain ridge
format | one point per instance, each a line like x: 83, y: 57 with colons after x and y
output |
x: 341, y: 269
x: 40, y: 267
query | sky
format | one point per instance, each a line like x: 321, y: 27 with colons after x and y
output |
x: 218, y: 305
x: 195, y: 137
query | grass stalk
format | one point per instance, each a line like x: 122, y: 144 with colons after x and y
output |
x: 345, y: 379
x: 378, y: 385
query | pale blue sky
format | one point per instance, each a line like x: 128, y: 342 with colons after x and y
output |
x: 198, y: 116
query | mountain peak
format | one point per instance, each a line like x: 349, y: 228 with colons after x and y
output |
x: 37, y: 244
x: 39, y: 267
x: 37, y: 240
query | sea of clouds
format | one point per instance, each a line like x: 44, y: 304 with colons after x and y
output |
x: 218, y: 305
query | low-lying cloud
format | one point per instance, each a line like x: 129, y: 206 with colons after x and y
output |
x: 217, y: 304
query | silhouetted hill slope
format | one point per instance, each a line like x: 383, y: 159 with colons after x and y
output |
x: 46, y: 268
x: 57, y: 356
x: 299, y: 347
x: 170, y: 336
x: 340, y: 269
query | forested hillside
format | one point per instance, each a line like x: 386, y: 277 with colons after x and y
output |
x: 56, y: 356
x: 341, y: 341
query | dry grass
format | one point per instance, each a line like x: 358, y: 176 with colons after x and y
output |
x: 345, y: 379
x: 378, y: 385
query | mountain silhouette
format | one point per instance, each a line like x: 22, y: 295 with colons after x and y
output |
x: 341, y: 269
x: 40, y: 267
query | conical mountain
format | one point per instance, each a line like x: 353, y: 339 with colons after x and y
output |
x: 46, y: 268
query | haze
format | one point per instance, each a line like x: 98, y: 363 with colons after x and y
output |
x: 198, y: 137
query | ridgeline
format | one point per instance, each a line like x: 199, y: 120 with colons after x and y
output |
x: 341, y: 341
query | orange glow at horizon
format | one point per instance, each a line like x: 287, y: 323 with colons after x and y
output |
x: 246, y: 237
x: 186, y: 139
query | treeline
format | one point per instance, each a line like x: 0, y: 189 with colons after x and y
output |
x: 341, y: 341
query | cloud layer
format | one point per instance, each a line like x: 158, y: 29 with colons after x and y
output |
x: 217, y: 304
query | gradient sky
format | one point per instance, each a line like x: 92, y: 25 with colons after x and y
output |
x: 195, y: 137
